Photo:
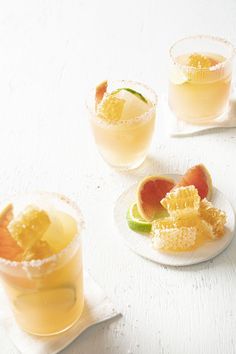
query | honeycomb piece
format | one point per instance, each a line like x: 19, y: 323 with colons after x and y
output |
x: 111, y: 108
x: 205, y: 230
x: 182, y: 200
x: 185, y: 220
x: 174, y: 239
x: 200, y: 61
x: 213, y: 216
x: 39, y: 251
x: 29, y: 227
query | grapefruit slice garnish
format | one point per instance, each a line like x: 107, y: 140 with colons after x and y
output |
x: 150, y: 192
x: 101, y: 89
x: 6, y: 215
x: 199, y: 177
x: 9, y: 248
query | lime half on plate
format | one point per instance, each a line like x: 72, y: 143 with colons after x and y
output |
x: 136, y: 222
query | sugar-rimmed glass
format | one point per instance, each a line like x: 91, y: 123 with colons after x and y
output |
x: 124, y: 144
x: 46, y: 295
x: 200, y: 95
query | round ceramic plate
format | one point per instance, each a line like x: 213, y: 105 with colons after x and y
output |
x: 142, y: 245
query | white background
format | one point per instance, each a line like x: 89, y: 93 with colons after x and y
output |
x: 51, y: 52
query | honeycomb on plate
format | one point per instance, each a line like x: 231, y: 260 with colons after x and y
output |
x: 213, y: 216
x: 178, y: 233
x: 191, y: 221
x: 174, y: 239
x: 182, y: 200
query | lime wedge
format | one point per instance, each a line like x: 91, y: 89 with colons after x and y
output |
x: 136, y: 222
x: 177, y: 77
x: 137, y: 94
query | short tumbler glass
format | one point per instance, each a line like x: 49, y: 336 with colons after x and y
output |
x: 198, y: 93
x: 124, y: 144
x: 46, y: 295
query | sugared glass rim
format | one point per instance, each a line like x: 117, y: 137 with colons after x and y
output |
x: 139, y: 118
x: 207, y: 37
x: 39, y: 262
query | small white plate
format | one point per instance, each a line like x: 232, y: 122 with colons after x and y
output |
x: 142, y: 245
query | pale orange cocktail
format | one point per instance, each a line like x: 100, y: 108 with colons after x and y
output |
x: 123, y: 121
x: 200, y: 79
x: 41, y: 265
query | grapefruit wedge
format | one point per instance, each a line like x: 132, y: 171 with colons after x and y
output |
x: 199, y: 177
x: 9, y: 249
x: 101, y: 89
x: 150, y: 192
x: 6, y: 216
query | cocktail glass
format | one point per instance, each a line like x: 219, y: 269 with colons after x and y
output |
x: 124, y: 144
x: 46, y: 295
x: 200, y: 78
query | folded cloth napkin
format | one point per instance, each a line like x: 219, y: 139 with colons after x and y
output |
x: 178, y: 128
x: 98, y: 308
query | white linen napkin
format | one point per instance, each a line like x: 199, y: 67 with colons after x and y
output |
x: 98, y: 308
x: 178, y: 128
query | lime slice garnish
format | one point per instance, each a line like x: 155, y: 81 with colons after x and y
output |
x: 177, y: 77
x: 136, y: 222
x: 137, y: 94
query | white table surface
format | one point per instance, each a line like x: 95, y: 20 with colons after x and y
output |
x: 51, y: 52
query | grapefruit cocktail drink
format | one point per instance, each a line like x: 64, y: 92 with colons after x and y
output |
x: 41, y: 261
x: 200, y: 78
x: 123, y: 119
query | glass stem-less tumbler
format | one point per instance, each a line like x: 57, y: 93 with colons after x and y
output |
x: 46, y: 295
x: 123, y: 143
x: 200, y: 78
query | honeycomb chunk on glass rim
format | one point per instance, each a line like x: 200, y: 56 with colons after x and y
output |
x: 29, y: 226
x: 40, y: 250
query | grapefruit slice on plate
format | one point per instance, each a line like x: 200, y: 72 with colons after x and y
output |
x: 150, y: 192
x: 199, y: 177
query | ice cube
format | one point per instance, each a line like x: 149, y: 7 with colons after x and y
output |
x: 134, y: 105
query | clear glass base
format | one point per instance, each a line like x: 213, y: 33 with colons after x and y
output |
x: 206, y: 120
x: 127, y: 167
x: 41, y: 334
